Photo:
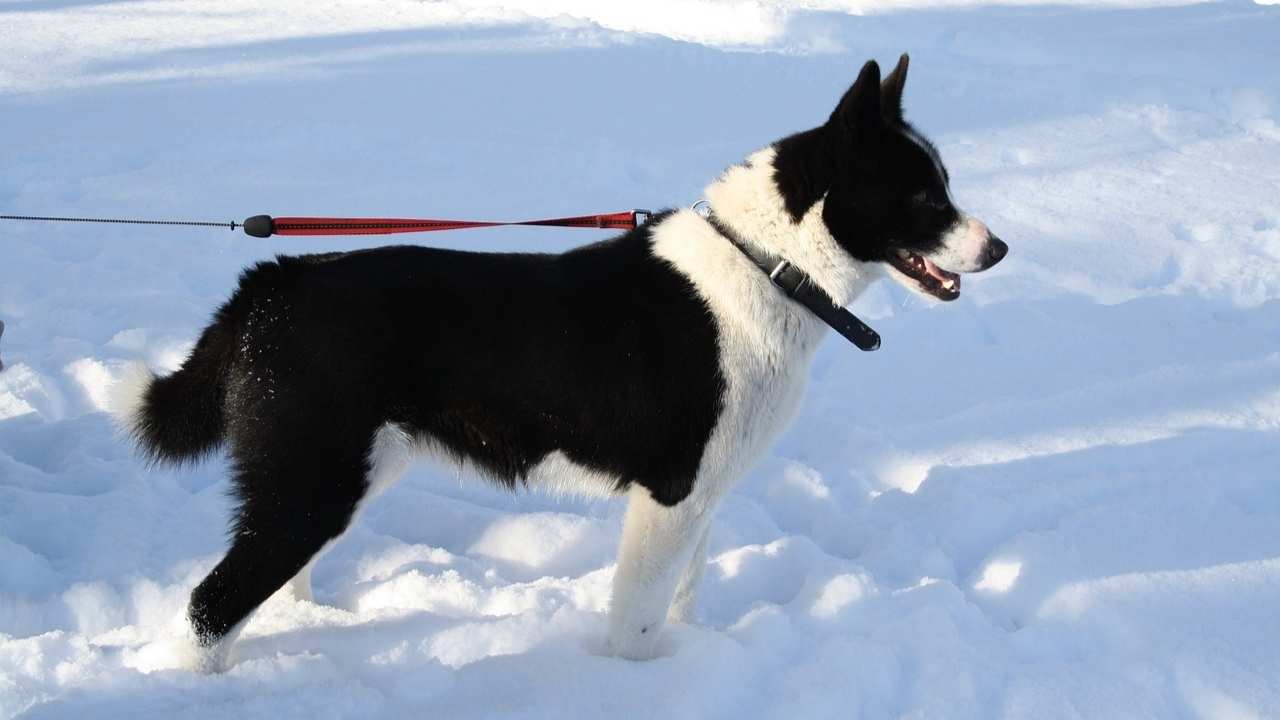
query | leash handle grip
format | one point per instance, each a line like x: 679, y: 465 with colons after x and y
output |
x: 259, y: 226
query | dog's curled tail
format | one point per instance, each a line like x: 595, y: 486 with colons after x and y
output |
x: 179, y: 417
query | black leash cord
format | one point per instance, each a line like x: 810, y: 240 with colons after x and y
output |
x: 195, y: 223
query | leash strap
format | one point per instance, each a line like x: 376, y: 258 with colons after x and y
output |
x: 266, y: 226
x: 798, y: 286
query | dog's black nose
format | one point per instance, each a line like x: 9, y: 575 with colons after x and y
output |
x: 996, y: 250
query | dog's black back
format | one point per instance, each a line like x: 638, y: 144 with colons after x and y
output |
x: 503, y: 359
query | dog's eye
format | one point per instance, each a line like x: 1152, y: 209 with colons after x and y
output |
x: 933, y: 202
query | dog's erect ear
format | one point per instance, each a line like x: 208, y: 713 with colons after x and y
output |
x: 891, y: 89
x: 860, y: 106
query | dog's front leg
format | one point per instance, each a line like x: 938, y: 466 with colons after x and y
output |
x: 658, y: 543
x: 685, y: 604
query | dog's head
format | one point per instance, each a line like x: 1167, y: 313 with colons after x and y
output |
x: 887, y: 193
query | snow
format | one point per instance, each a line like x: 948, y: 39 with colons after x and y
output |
x: 1055, y: 497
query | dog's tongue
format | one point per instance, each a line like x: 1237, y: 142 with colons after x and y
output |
x: 950, y: 281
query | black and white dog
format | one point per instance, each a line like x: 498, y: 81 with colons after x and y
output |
x: 659, y: 364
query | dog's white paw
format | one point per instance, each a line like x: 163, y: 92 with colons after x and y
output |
x: 634, y: 641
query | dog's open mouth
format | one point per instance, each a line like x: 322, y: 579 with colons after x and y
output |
x: 932, y: 279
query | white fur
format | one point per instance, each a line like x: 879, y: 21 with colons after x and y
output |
x: 390, y: 453
x: 124, y: 400
x: 746, y: 199
x: 560, y: 475
x: 299, y: 586
x: 393, y: 449
x: 963, y: 246
x: 658, y: 544
x: 684, y: 605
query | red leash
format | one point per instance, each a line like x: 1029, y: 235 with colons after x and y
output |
x: 266, y: 226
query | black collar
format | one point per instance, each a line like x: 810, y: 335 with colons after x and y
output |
x: 798, y: 286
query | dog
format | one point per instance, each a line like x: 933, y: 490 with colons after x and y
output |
x: 659, y: 364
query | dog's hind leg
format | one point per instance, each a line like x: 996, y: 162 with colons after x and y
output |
x: 658, y: 544
x: 291, y: 506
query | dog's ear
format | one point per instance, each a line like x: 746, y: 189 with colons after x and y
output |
x: 891, y: 90
x: 859, y: 109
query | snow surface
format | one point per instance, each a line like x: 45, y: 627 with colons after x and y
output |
x: 1056, y: 497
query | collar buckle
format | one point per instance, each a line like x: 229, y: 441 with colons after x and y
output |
x: 776, y: 273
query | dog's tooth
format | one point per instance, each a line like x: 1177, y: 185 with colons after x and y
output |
x: 903, y: 254
x: 949, y: 284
